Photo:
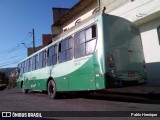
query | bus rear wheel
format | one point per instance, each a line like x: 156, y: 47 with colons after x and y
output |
x: 51, y: 89
x: 24, y: 90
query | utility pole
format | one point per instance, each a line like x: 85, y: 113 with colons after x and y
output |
x: 34, y: 50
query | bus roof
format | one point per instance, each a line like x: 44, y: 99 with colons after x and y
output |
x: 90, y: 20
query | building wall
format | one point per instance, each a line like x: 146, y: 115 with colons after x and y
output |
x: 30, y: 51
x: 82, y: 15
x: 146, y: 14
x: 58, y: 13
x: 137, y: 10
x: 151, y: 48
x: 150, y: 40
x: 112, y: 4
x: 47, y: 39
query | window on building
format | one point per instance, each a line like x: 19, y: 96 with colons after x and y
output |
x: 52, y: 55
x: 85, y: 42
x: 65, y: 50
x: 158, y: 31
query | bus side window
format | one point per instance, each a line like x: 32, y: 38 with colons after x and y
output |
x: 20, y: 68
x: 85, y: 42
x: 33, y: 63
x: 27, y: 67
x: 48, y: 56
x: 79, y: 44
x: 23, y: 67
x: 44, y: 59
x: 40, y: 59
x: 36, y: 64
x: 69, y: 50
x: 30, y: 64
x: 66, y: 50
x: 52, y: 56
x: 61, y: 51
x: 49, y: 51
x: 90, y: 39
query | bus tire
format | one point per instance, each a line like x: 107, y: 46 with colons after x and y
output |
x: 51, y: 89
x: 23, y: 88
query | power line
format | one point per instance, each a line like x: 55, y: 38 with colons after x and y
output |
x: 11, y: 57
x: 15, y: 50
x: 18, y: 45
x: 13, y: 60
x: 8, y: 64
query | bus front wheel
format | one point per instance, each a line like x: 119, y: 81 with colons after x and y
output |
x: 24, y: 90
x: 51, y: 89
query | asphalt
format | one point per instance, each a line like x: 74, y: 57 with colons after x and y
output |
x: 138, y: 89
x: 109, y: 100
x: 150, y: 92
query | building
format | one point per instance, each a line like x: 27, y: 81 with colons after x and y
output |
x: 144, y: 13
x: 46, y: 40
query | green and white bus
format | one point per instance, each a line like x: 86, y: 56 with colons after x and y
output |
x: 103, y: 51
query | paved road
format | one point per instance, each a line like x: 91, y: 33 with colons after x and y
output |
x: 15, y: 100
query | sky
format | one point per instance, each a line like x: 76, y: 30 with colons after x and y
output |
x: 17, y: 19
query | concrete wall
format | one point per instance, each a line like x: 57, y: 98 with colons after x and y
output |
x: 109, y: 4
x: 151, y: 48
x: 112, y: 4
x: 58, y: 13
x: 47, y: 39
x: 82, y: 15
x: 146, y: 14
x: 30, y: 51
x: 136, y: 10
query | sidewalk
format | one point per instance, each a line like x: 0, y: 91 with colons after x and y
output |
x: 136, y: 89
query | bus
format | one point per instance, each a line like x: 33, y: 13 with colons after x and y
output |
x: 103, y: 51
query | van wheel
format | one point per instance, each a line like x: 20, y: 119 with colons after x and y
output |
x: 23, y: 89
x: 51, y: 89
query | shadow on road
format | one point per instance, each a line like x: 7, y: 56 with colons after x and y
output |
x: 150, y: 98
x: 133, y: 98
